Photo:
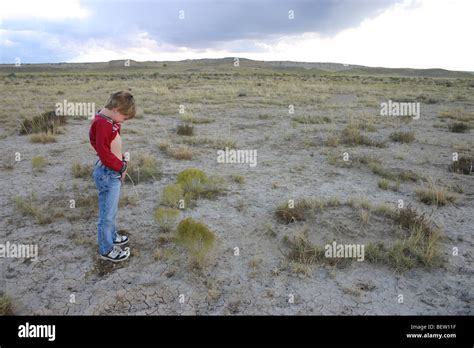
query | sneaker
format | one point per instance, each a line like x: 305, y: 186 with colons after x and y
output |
x: 117, y: 254
x: 120, y: 240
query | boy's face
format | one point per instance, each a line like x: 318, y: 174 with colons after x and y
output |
x: 117, y: 116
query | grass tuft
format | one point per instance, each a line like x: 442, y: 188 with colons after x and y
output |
x: 143, y: 169
x: 403, y: 137
x: 185, y: 129
x: 197, y: 238
x: 166, y: 217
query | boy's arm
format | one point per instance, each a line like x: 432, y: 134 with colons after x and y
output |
x: 103, y: 139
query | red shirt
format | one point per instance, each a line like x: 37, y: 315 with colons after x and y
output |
x: 103, y: 130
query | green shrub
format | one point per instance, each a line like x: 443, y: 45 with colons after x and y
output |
x: 196, y: 184
x: 191, y: 175
x: 166, y: 218
x: 172, y: 195
x: 196, y: 238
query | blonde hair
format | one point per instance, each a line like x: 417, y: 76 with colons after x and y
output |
x: 124, y: 102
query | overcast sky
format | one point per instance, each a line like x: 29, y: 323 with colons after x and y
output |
x: 389, y: 33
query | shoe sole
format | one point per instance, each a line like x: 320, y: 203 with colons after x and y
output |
x: 116, y: 260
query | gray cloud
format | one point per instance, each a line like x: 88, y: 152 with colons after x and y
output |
x: 207, y: 24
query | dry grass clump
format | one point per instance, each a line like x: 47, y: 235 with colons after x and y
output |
x: 81, y: 171
x: 393, y: 174
x: 43, y: 138
x: 167, y: 217
x: 302, y: 209
x: 30, y: 207
x: 462, y: 166
x: 38, y: 163
x: 47, y: 123
x: 459, y: 127
x: 179, y: 153
x: 433, y: 194
x: 403, y: 137
x: 143, y: 169
x: 188, y: 118
x: 6, y: 307
x: 420, y: 247
x: 312, y: 119
x: 185, y: 129
x: 352, y: 136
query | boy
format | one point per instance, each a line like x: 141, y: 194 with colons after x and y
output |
x: 110, y: 170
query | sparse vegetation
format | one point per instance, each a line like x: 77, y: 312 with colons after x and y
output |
x: 172, y: 195
x: 300, y: 155
x: 302, y: 209
x: 196, y: 120
x: 143, y: 169
x: 81, y: 171
x: 29, y: 206
x: 461, y: 166
x: 196, y: 184
x: 385, y: 184
x: 296, y: 211
x: 38, y: 163
x: 6, y: 307
x: 312, y: 119
x: 197, y: 238
x: 364, y: 217
x: 420, y: 247
x: 43, y: 138
x: 403, y: 137
x: 393, y: 174
x: 180, y: 153
x: 167, y: 218
x: 239, y: 179
x: 459, y: 127
x: 434, y: 194
x: 47, y: 123
x: 302, y: 251
x: 185, y: 129
x: 352, y: 136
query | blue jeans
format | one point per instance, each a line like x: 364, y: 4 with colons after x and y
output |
x: 107, y: 182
